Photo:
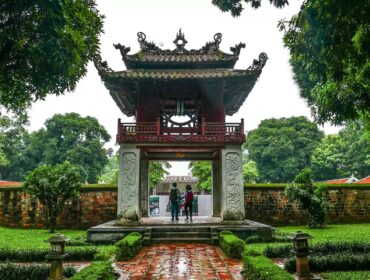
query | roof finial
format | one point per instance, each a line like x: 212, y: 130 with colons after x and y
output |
x: 180, y: 41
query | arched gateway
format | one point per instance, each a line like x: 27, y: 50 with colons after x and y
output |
x: 200, y: 85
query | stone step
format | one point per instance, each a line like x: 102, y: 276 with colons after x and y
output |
x: 174, y: 234
x: 181, y: 229
x: 181, y: 240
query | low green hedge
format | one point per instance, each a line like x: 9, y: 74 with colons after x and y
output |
x: 353, y: 275
x: 329, y: 186
x: 37, y: 255
x: 128, y: 247
x: 231, y: 245
x: 101, y: 270
x: 333, y: 262
x: 324, y: 248
x: 11, y: 271
x: 257, y: 239
x: 262, y: 268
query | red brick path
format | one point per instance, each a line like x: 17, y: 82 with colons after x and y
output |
x: 180, y: 261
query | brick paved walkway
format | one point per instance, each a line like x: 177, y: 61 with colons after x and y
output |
x: 180, y: 261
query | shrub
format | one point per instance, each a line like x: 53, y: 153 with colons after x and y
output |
x: 278, y: 252
x: 232, y: 245
x: 334, y: 262
x: 105, y: 253
x: 310, y: 199
x: 101, y: 270
x: 128, y: 247
x: 11, y: 271
x: 353, y: 275
x: 37, y: 255
x: 77, y: 241
x: 261, y: 268
x: 257, y: 239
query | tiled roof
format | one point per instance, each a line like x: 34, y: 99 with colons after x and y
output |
x: 337, y: 181
x: 365, y: 180
x: 10, y: 184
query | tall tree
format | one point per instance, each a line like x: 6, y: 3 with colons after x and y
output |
x: 250, y: 172
x: 202, y: 170
x: 329, y: 43
x: 236, y: 7
x: 157, y: 171
x: 282, y: 147
x: 45, y: 47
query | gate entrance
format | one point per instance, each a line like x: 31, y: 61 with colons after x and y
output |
x: 180, y: 99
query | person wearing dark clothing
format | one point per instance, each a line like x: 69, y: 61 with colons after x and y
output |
x: 189, y: 203
x: 175, y: 196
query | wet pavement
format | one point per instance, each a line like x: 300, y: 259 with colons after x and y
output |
x: 180, y: 261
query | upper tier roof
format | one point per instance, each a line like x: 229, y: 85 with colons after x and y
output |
x: 151, y: 56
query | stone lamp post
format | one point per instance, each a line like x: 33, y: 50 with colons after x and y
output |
x: 301, y: 248
x: 56, y: 256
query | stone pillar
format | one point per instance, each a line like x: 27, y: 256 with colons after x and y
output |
x: 144, y: 187
x: 232, y: 197
x: 216, y: 187
x: 128, y: 184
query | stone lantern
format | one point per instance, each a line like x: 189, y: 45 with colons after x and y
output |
x: 56, y: 256
x: 301, y: 248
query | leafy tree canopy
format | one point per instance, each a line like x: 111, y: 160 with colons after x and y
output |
x: 236, y: 7
x: 45, y: 47
x: 329, y: 43
x: 157, y: 171
x: 52, y: 186
x: 250, y: 172
x: 282, y: 147
x: 202, y: 170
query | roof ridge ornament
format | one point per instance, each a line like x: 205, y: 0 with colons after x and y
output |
x: 260, y: 63
x: 236, y: 50
x: 180, y: 42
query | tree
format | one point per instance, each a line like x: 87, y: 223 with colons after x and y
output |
x: 157, y: 172
x: 236, y: 8
x: 309, y: 198
x: 52, y: 186
x: 329, y: 43
x: 202, y: 170
x: 110, y: 171
x: 250, y: 172
x: 45, y: 47
x: 282, y: 147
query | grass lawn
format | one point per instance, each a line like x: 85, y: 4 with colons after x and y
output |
x: 31, y: 238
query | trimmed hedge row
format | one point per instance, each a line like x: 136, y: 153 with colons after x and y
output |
x: 353, y: 275
x: 128, y: 247
x: 37, y: 255
x: 101, y: 270
x: 325, y: 248
x: 262, y: 268
x: 11, y: 271
x: 334, y: 262
x: 232, y: 245
x: 257, y: 239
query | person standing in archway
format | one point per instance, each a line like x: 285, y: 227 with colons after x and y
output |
x: 175, y: 196
x: 189, y: 203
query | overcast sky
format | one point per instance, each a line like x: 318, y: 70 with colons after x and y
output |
x: 274, y: 96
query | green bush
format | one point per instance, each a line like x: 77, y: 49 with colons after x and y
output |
x: 353, y: 275
x: 37, y: 255
x: 105, y: 253
x: 257, y: 239
x: 128, y: 247
x: 232, y: 245
x: 262, y: 268
x: 11, y: 271
x: 333, y: 262
x: 101, y: 270
x: 278, y: 252
x: 77, y: 241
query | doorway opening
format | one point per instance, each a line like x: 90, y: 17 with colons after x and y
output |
x: 196, y: 174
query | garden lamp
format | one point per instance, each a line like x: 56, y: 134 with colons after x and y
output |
x: 56, y: 256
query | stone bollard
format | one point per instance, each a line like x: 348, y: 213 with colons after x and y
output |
x: 56, y: 256
x: 301, y: 248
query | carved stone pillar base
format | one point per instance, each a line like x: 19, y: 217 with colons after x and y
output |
x: 128, y: 208
x: 232, y: 206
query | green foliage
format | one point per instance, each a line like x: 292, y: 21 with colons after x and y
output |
x: 96, y: 271
x: 45, y: 47
x: 105, y: 253
x: 310, y: 199
x: 157, y: 172
x: 38, y: 255
x: 257, y: 239
x: 231, y: 245
x: 110, y: 171
x: 329, y: 43
x: 11, y: 271
x: 282, y: 147
x: 52, y: 186
x: 353, y: 275
x: 202, y: 170
x: 262, y: 268
x: 236, y: 8
x: 250, y: 172
x: 334, y: 262
x: 128, y: 247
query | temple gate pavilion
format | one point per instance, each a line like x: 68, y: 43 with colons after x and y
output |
x: 180, y: 99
